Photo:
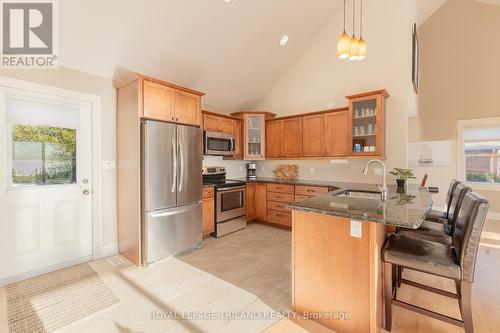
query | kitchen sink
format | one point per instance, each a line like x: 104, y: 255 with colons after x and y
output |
x: 360, y: 194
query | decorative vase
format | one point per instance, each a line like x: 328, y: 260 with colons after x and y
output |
x: 401, y: 185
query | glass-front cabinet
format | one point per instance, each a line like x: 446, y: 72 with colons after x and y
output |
x: 367, y: 124
x: 254, y: 135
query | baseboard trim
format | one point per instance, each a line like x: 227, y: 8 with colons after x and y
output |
x: 107, y: 251
x: 493, y: 216
x: 28, y: 275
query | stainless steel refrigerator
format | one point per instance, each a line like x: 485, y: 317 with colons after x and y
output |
x: 171, y: 189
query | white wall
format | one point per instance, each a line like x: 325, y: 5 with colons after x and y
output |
x: 319, y: 77
x: 457, y: 86
x: 87, y: 83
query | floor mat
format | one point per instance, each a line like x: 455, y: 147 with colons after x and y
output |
x: 51, y: 301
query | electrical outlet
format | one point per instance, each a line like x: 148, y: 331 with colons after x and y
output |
x: 377, y: 171
x: 311, y: 171
x: 356, y: 228
x: 263, y: 169
x: 241, y: 169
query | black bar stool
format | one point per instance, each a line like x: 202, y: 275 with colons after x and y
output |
x: 436, y: 231
x: 456, y: 263
x: 442, y: 217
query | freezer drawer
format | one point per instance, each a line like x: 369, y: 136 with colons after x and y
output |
x: 171, y: 231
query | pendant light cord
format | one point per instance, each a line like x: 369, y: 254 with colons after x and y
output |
x: 344, y: 16
x: 361, y: 20
x: 353, y: 18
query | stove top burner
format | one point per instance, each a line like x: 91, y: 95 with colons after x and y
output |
x: 224, y: 183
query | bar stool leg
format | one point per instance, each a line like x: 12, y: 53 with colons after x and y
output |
x: 466, y: 306
x: 388, y: 287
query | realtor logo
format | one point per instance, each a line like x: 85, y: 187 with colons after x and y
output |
x: 28, y: 30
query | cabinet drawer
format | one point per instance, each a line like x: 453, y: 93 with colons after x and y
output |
x: 276, y: 205
x: 280, y: 188
x: 300, y: 197
x: 278, y: 217
x: 310, y: 190
x: 208, y: 192
x: 273, y: 196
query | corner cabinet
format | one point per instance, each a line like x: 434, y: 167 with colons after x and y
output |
x: 367, y: 124
x: 254, y: 133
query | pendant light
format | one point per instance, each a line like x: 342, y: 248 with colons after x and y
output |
x: 354, y: 50
x: 362, y: 43
x: 343, y: 45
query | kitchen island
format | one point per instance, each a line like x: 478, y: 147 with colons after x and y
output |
x: 337, y: 240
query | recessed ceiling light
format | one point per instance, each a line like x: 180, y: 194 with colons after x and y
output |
x: 227, y: 1
x: 283, y: 40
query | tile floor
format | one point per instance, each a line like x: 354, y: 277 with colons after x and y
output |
x: 250, y: 271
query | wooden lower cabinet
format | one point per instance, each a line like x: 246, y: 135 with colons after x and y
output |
x: 260, y: 201
x: 208, y: 211
x: 267, y: 202
x: 250, y: 204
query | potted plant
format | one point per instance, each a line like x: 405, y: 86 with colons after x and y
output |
x: 402, y: 175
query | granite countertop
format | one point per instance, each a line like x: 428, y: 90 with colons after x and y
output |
x: 405, y: 210
x: 288, y: 182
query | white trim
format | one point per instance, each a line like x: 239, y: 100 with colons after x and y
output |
x: 461, y: 124
x: 493, y: 216
x: 28, y: 275
x: 95, y: 101
x: 108, y: 250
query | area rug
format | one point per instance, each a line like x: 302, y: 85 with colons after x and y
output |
x: 51, y: 301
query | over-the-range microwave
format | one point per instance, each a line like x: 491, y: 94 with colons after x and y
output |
x: 216, y: 143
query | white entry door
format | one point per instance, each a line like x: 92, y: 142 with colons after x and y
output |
x: 45, y: 183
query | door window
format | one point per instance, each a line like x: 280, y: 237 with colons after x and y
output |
x: 43, y: 155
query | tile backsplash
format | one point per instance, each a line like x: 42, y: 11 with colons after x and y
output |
x: 234, y: 169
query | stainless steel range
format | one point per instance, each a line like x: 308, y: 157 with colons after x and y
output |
x: 230, y: 201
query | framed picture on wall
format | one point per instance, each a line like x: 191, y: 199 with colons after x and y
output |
x: 415, y: 58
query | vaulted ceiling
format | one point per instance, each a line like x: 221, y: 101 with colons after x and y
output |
x: 228, y: 50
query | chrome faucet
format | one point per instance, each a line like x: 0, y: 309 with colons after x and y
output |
x: 383, y: 189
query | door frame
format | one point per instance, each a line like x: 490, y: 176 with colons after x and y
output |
x: 95, y: 102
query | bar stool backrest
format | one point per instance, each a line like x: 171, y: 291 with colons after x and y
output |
x: 449, y: 196
x: 456, y: 202
x: 469, y: 225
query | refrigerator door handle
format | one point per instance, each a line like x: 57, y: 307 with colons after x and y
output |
x: 181, y: 178
x: 174, y: 161
x: 175, y: 211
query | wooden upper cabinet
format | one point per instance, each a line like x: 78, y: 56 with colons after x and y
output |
x: 210, y: 123
x: 274, y: 138
x: 366, y: 129
x: 168, y: 102
x: 226, y: 125
x: 187, y: 108
x: 292, y: 129
x: 313, y: 137
x: 157, y: 101
x: 336, y: 134
x: 238, y: 138
x: 220, y: 124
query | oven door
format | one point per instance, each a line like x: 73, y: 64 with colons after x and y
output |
x: 230, y: 203
x: 219, y: 144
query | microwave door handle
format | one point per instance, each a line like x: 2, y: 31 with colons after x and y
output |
x: 174, y: 162
x: 231, y: 147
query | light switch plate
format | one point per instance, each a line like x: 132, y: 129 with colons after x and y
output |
x: 312, y: 171
x: 356, y: 228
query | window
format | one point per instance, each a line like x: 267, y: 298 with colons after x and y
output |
x: 479, y: 151
x: 43, y: 155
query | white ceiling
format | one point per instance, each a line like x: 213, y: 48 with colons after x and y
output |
x: 490, y: 2
x: 230, y: 51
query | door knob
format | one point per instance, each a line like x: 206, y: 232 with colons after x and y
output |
x: 86, y: 192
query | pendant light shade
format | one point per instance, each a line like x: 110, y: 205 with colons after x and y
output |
x: 344, y: 46
x: 344, y: 43
x: 354, y: 51
x: 362, y: 49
